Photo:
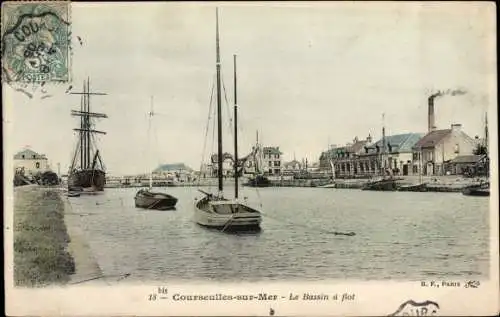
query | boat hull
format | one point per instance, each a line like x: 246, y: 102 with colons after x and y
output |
x: 85, y: 179
x: 258, y: 181
x: 383, y: 185
x: 226, y: 215
x: 482, y: 192
x: 154, y: 200
x: 413, y: 188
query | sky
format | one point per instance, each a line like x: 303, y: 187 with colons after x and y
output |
x: 309, y: 75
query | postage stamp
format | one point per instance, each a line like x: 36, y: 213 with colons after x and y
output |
x: 36, y: 42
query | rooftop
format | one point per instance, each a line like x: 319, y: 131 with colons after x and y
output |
x: 272, y: 150
x: 398, y: 143
x: 432, y: 138
x: 172, y: 167
x: 28, y: 154
x: 468, y: 158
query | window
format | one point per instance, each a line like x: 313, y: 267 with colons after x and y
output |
x: 37, y: 165
x: 457, y: 148
x: 22, y: 156
x: 270, y: 163
x: 33, y: 156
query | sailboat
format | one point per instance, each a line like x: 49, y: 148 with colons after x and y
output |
x: 214, y: 210
x: 86, y: 174
x: 332, y: 183
x: 146, y: 198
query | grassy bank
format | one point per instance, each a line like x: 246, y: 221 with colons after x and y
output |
x: 40, y: 238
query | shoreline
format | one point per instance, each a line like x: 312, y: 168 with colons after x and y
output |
x: 87, y: 269
x: 49, y: 246
x: 433, y: 183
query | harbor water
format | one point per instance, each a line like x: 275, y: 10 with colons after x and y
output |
x: 398, y: 235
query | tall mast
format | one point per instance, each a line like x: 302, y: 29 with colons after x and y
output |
x: 486, y: 132
x: 383, y: 144
x: 151, y: 113
x: 82, y: 125
x: 85, y: 128
x: 219, y: 107
x: 235, y: 134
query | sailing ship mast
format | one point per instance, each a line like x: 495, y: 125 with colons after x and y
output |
x: 151, y: 113
x: 382, y: 156
x: 235, y: 134
x: 219, y: 106
x: 85, y: 129
x: 486, y: 144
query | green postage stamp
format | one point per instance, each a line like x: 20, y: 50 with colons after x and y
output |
x: 36, y: 43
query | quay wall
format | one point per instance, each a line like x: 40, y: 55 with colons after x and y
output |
x: 49, y: 248
x: 434, y: 183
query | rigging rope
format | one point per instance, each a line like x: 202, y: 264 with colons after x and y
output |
x: 206, y: 129
x: 230, y: 121
x: 212, y: 149
x: 337, y: 233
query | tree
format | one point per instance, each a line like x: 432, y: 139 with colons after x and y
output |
x: 481, y: 150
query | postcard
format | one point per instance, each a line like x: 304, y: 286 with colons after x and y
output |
x: 250, y: 158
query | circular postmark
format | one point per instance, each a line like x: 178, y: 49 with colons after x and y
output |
x: 35, y: 42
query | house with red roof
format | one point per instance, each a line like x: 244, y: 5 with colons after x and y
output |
x: 438, y: 147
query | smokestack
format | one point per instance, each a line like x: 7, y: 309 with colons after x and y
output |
x: 431, y: 123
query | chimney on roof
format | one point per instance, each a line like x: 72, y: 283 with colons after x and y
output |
x: 456, y: 127
x: 369, y: 138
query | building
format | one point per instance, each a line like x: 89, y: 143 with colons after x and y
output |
x: 344, y: 158
x: 30, y: 162
x: 175, y: 171
x: 362, y: 158
x: 272, y: 157
x: 396, y: 159
x: 439, y: 147
x: 292, y: 167
x: 227, y: 165
x: 469, y: 165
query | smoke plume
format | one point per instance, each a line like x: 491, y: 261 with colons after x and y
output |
x: 448, y: 92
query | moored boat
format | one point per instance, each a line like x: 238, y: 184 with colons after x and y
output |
x: 413, y: 188
x: 87, y: 170
x: 147, y: 199
x: 482, y: 189
x: 476, y: 192
x: 258, y: 181
x: 213, y: 210
x: 381, y: 185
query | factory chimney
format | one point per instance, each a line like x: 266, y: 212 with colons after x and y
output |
x: 431, y: 124
x: 431, y: 121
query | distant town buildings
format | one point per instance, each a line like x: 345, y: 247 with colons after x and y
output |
x: 439, y: 152
x: 30, y: 162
